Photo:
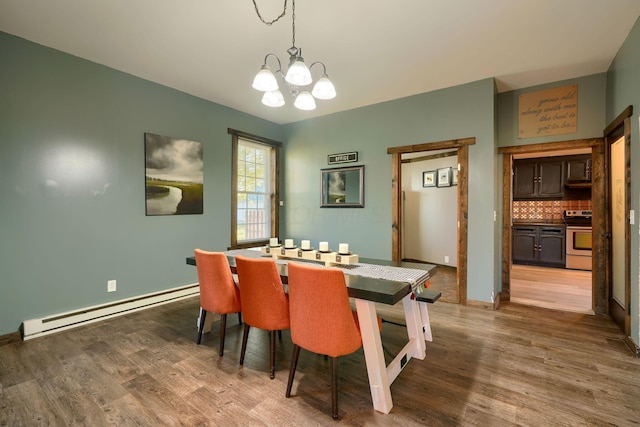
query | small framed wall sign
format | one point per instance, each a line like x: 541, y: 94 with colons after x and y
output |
x: 333, y: 159
x: 444, y: 177
x: 429, y: 179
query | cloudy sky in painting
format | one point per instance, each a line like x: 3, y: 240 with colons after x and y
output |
x: 173, y: 159
x: 336, y: 183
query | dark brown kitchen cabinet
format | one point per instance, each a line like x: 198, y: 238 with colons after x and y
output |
x: 538, y: 178
x: 579, y: 168
x: 542, y: 245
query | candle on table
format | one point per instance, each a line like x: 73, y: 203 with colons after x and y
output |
x: 273, y: 241
x: 288, y: 243
x: 305, y: 244
x: 343, y: 248
x: 323, y: 246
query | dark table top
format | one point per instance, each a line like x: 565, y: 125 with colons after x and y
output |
x: 367, y: 288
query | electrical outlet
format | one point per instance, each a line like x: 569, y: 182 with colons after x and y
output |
x: 446, y: 259
x: 111, y: 286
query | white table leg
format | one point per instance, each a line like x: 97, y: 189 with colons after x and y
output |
x: 374, y: 356
x: 414, y: 326
x: 426, y: 324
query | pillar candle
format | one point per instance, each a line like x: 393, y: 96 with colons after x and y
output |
x: 288, y: 243
x: 324, y: 247
x: 343, y: 248
x: 273, y: 241
x: 305, y: 244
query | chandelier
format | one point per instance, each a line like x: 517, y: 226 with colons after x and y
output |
x: 297, y: 77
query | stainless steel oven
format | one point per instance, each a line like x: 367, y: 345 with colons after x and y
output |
x: 579, y: 241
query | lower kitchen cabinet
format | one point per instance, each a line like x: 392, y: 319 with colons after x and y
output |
x: 542, y: 245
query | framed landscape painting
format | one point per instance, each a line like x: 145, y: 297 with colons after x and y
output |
x: 173, y: 176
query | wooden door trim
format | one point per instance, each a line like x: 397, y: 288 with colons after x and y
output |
x: 598, y: 207
x: 619, y: 127
x: 462, y: 147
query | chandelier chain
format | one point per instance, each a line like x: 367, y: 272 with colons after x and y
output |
x: 284, y: 11
x: 293, y: 25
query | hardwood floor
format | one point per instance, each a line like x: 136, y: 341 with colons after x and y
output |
x: 518, y: 365
x: 445, y: 281
x: 555, y: 288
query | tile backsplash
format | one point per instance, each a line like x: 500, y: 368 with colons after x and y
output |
x: 546, y: 209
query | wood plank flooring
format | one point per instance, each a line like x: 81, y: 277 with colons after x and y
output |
x: 518, y: 365
x: 445, y: 280
x: 555, y: 288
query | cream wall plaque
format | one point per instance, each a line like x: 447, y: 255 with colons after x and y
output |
x: 548, y: 112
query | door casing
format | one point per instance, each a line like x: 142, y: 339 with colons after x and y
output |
x: 462, y: 145
x: 598, y: 275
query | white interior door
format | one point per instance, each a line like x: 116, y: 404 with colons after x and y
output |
x: 618, y: 220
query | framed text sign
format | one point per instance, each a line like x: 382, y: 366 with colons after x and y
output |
x: 342, y: 158
x: 548, y: 112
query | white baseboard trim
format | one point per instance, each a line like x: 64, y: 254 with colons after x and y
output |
x: 60, y: 322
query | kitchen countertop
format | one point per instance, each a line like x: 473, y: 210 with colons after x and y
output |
x: 550, y: 222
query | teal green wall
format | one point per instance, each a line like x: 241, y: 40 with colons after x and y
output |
x: 591, y: 111
x: 72, y: 174
x: 623, y: 89
x: 458, y: 112
x: 80, y: 125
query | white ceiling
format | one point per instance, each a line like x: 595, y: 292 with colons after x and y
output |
x: 374, y: 51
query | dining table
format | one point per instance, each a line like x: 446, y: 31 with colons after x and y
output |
x: 371, y: 281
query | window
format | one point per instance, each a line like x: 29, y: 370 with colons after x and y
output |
x: 254, y: 216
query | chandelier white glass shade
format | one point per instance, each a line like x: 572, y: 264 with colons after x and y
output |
x: 297, y: 77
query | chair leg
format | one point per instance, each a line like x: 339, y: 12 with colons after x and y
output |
x: 245, y: 334
x: 292, y: 369
x: 203, y: 314
x: 334, y: 387
x: 223, y: 328
x: 272, y: 354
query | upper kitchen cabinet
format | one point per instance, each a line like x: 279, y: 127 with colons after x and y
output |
x: 542, y: 178
x: 579, y: 168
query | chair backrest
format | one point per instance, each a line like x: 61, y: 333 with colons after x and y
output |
x: 218, y: 291
x: 264, y: 303
x: 321, y: 318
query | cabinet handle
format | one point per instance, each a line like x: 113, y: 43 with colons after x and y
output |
x: 539, y: 248
x: 551, y: 230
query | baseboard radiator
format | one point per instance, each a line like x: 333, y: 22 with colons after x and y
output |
x: 47, y: 325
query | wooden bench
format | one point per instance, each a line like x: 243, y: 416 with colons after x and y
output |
x: 428, y: 295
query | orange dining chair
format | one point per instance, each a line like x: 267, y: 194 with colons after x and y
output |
x: 218, y: 291
x: 264, y: 303
x: 321, y: 319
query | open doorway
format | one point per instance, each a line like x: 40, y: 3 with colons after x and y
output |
x: 428, y: 221
x: 461, y: 147
x: 597, y: 208
x: 551, y: 215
